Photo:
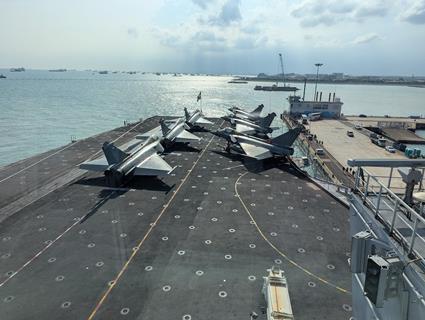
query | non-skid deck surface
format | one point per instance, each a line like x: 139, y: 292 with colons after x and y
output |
x: 192, y: 245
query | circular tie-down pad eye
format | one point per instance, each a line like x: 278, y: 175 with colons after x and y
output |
x: 166, y: 288
x: 125, y: 311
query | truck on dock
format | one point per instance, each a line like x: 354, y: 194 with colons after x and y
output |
x: 380, y: 142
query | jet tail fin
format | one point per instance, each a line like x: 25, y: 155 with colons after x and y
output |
x: 186, y: 114
x: 267, y: 120
x: 288, y: 138
x: 164, y: 127
x: 258, y: 109
x: 113, y: 154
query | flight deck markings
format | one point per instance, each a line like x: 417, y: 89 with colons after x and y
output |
x: 124, y: 268
x: 49, y: 244
x: 77, y: 220
x: 281, y: 253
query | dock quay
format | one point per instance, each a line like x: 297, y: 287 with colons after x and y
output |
x: 402, y: 136
x: 374, y: 121
x: 333, y: 133
x: 193, y: 244
x: 397, y: 129
x: 335, y: 170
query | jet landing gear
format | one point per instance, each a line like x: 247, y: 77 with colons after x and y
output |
x: 227, y: 149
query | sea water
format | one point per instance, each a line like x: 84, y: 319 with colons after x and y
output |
x: 41, y: 110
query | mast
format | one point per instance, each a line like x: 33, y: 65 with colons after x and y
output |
x: 281, y: 66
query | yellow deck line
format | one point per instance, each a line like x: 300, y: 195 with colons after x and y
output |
x: 124, y: 268
x: 283, y: 255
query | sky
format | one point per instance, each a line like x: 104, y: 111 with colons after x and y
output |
x: 373, y: 37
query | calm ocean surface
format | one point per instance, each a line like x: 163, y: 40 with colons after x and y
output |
x: 40, y: 110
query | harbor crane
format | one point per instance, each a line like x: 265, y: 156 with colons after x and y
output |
x: 281, y: 66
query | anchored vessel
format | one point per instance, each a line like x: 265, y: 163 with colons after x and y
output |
x: 276, y: 87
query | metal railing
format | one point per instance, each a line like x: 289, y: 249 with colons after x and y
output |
x: 393, y: 180
x: 400, y: 220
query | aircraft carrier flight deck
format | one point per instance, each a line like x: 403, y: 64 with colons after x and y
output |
x: 194, y: 244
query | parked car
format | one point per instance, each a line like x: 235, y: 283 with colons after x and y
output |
x: 390, y: 149
x: 357, y: 127
x: 362, y: 115
x: 350, y: 133
x: 373, y: 135
x: 320, y: 152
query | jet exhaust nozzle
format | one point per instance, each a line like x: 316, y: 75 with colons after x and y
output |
x: 114, y: 178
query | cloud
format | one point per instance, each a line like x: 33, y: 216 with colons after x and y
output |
x: 220, y: 29
x: 229, y: 13
x: 371, y: 9
x: 251, y: 28
x: 312, y: 13
x: 366, y: 38
x: 211, y: 39
x: 207, y: 40
x: 415, y: 13
x: 203, y: 4
x: 132, y: 32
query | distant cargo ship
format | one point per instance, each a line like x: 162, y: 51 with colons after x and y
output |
x: 237, y: 81
x: 17, y: 69
x: 2, y: 76
x: 103, y: 72
x: 57, y: 70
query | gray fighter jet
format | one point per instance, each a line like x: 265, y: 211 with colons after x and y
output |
x: 260, y: 127
x: 171, y: 132
x: 141, y: 159
x: 195, y: 119
x: 257, y: 148
x: 253, y: 115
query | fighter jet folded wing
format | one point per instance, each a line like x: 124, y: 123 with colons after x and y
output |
x: 153, y: 166
x: 255, y: 152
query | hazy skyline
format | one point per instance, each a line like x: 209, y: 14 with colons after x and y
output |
x: 217, y: 36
